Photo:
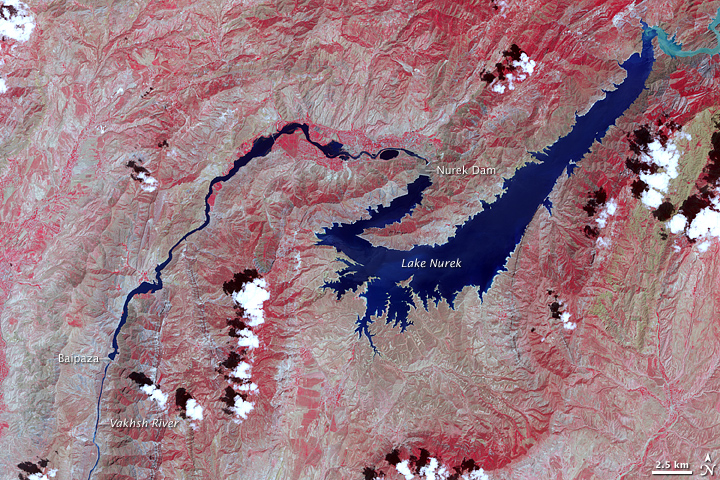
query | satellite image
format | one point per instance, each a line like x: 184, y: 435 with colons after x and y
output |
x: 359, y: 240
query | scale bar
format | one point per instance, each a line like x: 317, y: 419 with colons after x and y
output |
x: 672, y: 472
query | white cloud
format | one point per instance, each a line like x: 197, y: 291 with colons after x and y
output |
x: 17, y: 24
x: 567, y: 324
x: 608, y: 211
x: 525, y: 67
x: 510, y: 77
x: 652, y: 198
x: 248, y: 387
x: 251, y: 299
x: 677, y: 223
x: 705, y: 224
x: 242, y: 407
x: 149, y: 184
x: 611, y: 207
x: 40, y: 476
x: 433, y: 470
x: 248, y: 339
x: 659, y: 181
x: 667, y: 158
x: 499, y: 88
x: 525, y: 64
x: 242, y: 371
x: 193, y: 409
x: 478, y: 474
x: 429, y: 470
x: 404, y: 470
x: 156, y: 394
x: 3, y: 86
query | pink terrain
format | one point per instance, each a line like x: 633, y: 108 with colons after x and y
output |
x: 593, y: 355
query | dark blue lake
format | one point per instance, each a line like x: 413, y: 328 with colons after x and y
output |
x: 482, y: 245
